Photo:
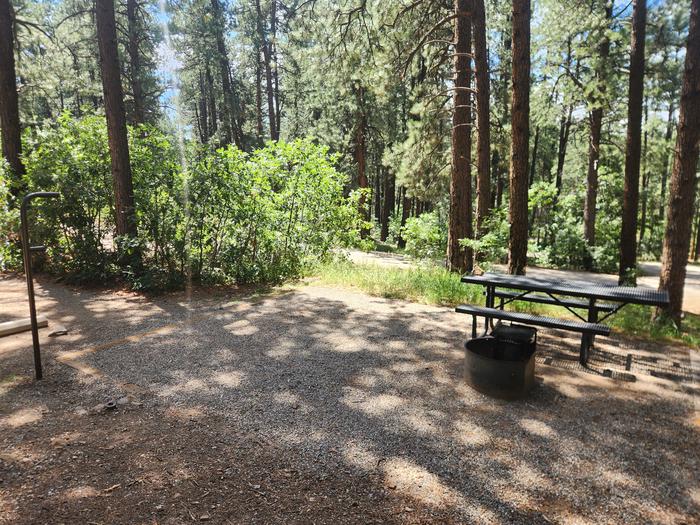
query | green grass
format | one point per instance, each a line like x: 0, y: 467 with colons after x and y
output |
x: 435, y: 285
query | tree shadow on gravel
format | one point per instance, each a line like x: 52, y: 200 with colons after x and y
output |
x: 369, y: 393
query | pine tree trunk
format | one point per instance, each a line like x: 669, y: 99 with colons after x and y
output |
x: 267, y: 59
x: 389, y: 203
x: 630, y: 204
x: 405, y: 212
x: 203, y: 109
x: 683, y: 181
x: 596, y: 126
x: 697, y: 238
x: 564, y: 130
x: 258, y: 97
x: 459, y: 258
x: 483, y: 90
x: 228, y: 110
x: 533, y: 160
x: 9, y: 103
x: 377, y: 196
x: 116, y: 119
x: 139, y: 113
x: 360, y: 154
x: 213, y: 115
x: 517, y: 248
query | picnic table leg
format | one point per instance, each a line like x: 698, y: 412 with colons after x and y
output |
x: 585, y: 345
x: 473, y: 326
x: 590, y: 338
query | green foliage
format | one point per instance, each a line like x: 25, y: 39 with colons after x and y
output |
x: 425, y: 284
x: 435, y: 285
x: 426, y: 236
x: 492, y: 247
x: 230, y: 217
x: 9, y: 222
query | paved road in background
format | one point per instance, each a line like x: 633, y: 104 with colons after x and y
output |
x: 650, y: 277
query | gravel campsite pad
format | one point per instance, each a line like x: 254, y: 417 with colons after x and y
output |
x: 319, y: 405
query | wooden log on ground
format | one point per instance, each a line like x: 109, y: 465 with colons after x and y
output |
x: 20, y: 325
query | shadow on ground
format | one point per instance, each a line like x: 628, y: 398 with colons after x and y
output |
x: 343, y: 407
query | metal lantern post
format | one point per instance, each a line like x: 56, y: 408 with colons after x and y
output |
x: 27, y: 251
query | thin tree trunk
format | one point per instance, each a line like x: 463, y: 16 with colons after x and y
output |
x: 483, y: 90
x: 630, y: 204
x: 517, y: 248
x: 596, y: 125
x: 533, y: 160
x: 267, y: 59
x: 645, y: 182
x: 667, y: 164
x: 697, y: 238
x: 361, y: 153
x: 116, y: 119
x: 389, y: 203
x: 405, y: 212
x: 213, y: 115
x: 9, y: 102
x: 258, y: 97
x: 133, y: 28
x: 228, y: 109
x: 564, y: 130
x: 203, y: 110
x: 683, y: 181
x: 459, y: 258
x: 377, y: 196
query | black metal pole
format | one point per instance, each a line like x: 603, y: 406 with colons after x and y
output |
x: 26, y: 256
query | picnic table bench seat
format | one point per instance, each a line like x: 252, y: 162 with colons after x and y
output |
x: 544, y: 299
x: 529, y: 319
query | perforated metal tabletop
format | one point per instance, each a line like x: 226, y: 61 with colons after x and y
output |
x: 621, y: 294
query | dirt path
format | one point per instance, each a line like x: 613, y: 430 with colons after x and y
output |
x: 319, y: 405
x: 650, y: 274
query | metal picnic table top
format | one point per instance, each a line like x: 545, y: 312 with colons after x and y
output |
x: 622, y: 294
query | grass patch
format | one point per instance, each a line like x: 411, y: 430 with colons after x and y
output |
x: 435, y: 285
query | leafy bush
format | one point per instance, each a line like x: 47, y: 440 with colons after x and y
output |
x: 426, y: 236
x: 229, y: 217
x: 9, y: 222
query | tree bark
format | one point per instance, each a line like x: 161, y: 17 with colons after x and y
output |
x: 596, y: 126
x: 630, y: 204
x: 564, y: 130
x: 133, y: 27
x: 533, y: 160
x: 389, y: 203
x: 267, y: 59
x: 459, y: 258
x: 258, y: 97
x: 683, y: 181
x: 483, y: 90
x: 9, y: 101
x: 228, y: 110
x: 360, y: 153
x: 213, y: 114
x: 125, y: 213
x: 405, y: 212
x: 520, y: 125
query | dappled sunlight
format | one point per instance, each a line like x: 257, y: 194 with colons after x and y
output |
x: 231, y: 379
x: 418, y: 483
x: 538, y: 428
x: 22, y: 417
x: 242, y: 327
x: 83, y: 491
x: 360, y: 456
x: 470, y: 434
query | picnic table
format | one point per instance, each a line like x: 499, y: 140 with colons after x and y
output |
x: 598, y: 303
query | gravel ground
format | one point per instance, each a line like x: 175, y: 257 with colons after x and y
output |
x: 365, y: 392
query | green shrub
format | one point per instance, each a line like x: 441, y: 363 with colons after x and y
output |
x: 426, y: 236
x: 9, y: 223
x: 229, y: 217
